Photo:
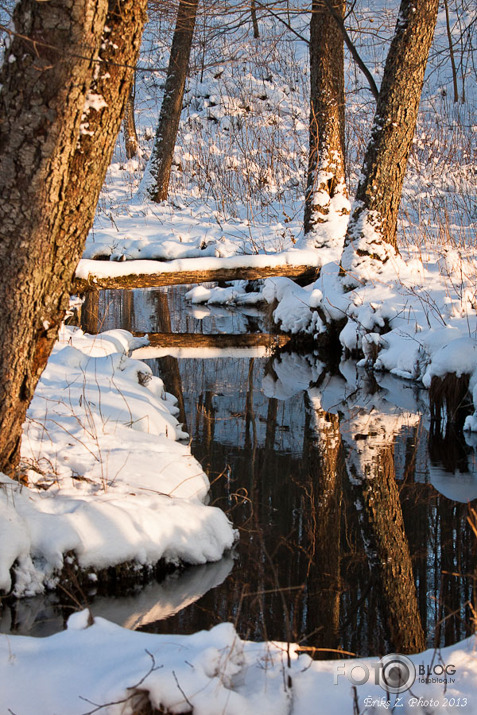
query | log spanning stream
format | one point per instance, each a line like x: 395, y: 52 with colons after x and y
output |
x: 352, y: 512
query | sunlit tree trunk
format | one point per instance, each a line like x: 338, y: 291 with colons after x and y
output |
x: 371, y: 236
x: 326, y: 202
x: 166, y: 134
x: 64, y: 82
x: 129, y: 125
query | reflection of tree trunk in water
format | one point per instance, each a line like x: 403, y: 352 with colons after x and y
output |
x: 415, y: 509
x: 169, y: 366
x: 271, y: 423
x: 90, y: 313
x: 452, y: 564
x: 250, y: 426
x: 323, y: 457
x: 127, y: 310
x: 377, y: 497
x: 209, y: 422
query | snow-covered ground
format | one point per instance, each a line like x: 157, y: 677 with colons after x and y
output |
x: 108, y: 482
x: 96, y: 666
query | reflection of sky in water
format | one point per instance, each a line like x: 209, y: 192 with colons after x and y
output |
x: 460, y: 486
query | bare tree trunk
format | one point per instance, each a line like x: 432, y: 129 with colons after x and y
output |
x: 65, y: 81
x: 451, y: 53
x: 253, y: 13
x: 326, y: 194
x: 129, y: 126
x: 166, y: 135
x: 371, y: 235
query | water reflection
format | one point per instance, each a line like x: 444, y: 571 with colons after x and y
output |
x: 348, y: 540
x: 43, y: 616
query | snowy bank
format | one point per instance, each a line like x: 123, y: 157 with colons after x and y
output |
x: 101, y: 666
x: 108, y: 482
x: 415, y: 317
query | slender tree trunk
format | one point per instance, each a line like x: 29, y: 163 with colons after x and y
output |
x: 64, y: 82
x: 129, y: 126
x: 451, y: 53
x: 371, y: 235
x: 326, y: 194
x: 166, y: 135
x: 253, y: 14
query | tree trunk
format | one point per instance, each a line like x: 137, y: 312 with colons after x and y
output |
x: 165, y: 141
x: 129, y: 126
x: 371, y: 235
x: 326, y: 195
x: 253, y: 14
x: 65, y: 81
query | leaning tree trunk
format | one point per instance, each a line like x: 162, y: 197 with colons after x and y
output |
x: 326, y: 194
x: 371, y: 236
x: 163, y: 152
x: 65, y: 81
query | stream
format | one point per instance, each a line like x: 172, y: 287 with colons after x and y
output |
x: 352, y: 509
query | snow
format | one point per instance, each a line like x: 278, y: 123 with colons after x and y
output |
x: 108, y: 478
x: 90, y: 269
x: 211, y: 672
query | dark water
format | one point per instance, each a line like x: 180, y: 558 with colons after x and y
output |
x: 353, y: 517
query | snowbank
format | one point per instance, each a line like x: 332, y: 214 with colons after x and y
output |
x: 103, y: 666
x: 108, y: 480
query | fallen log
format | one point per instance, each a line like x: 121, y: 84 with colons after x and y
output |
x: 304, y: 273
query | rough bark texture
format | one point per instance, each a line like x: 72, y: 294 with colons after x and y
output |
x: 379, y: 192
x: 326, y: 165
x: 165, y: 141
x: 65, y: 80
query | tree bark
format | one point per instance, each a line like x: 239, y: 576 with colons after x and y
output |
x: 371, y: 236
x: 64, y: 82
x: 129, y: 126
x: 326, y: 193
x: 166, y: 135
